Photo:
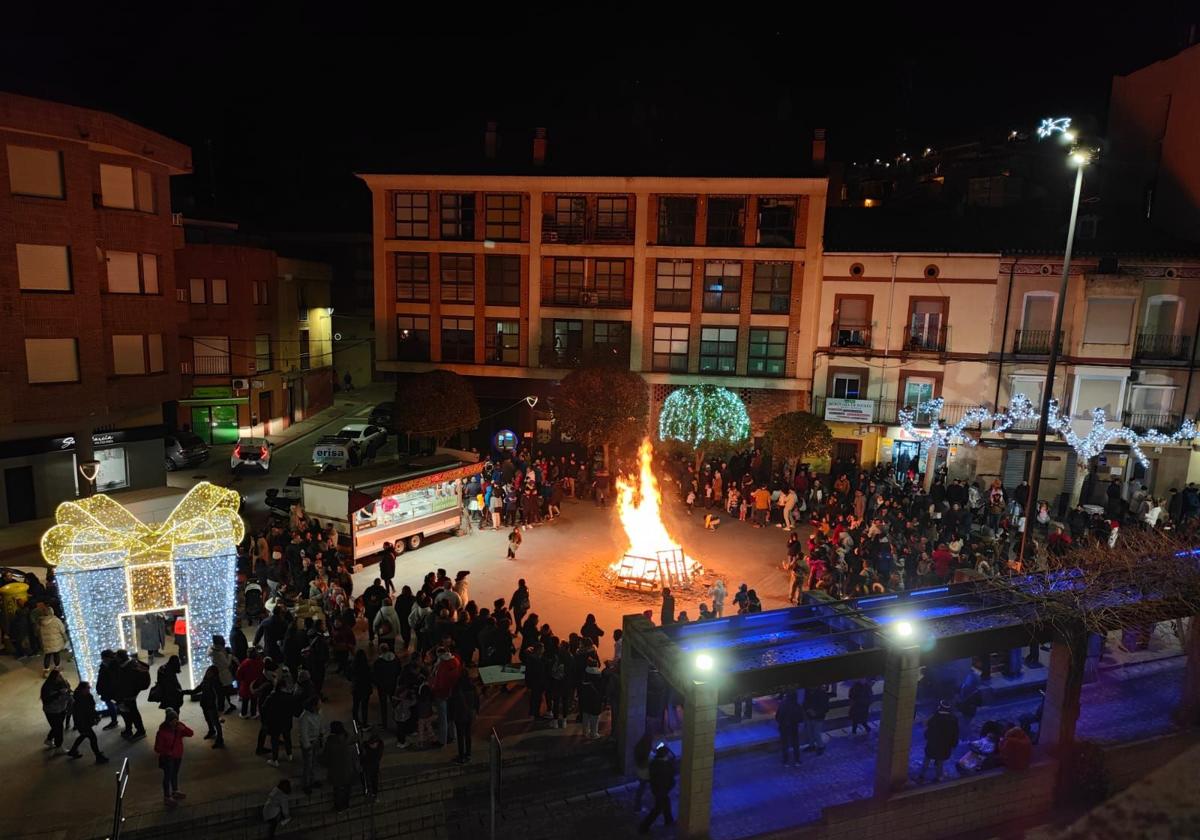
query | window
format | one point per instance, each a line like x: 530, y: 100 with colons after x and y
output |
x: 1092, y: 393
x: 768, y: 352
x: 570, y: 215
x: 154, y: 353
x: 43, y: 268
x: 847, y: 386
x: 258, y: 288
x: 411, y: 214
x: 503, y: 216
x: 918, y: 391
x: 610, y: 283
x: 1039, y: 312
x: 718, y: 349
x: 210, y: 355
x: 36, y: 172
x: 458, y: 215
x: 458, y: 278
x: 673, y: 285
x: 196, y: 286
x: 502, y: 280
x: 133, y: 274
x: 676, y: 220
x: 1030, y: 388
x: 1161, y: 317
x: 852, y: 321
x: 412, y: 277
x: 610, y: 340
x: 458, y: 340
x: 926, y: 324
x: 111, y: 474
x: 220, y: 293
x: 126, y: 189
x: 772, y: 288
x: 726, y: 221
x: 503, y: 342
x: 568, y: 342
x: 51, y: 360
x: 722, y: 286
x: 568, y: 282
x: 412, y: 338
x: 262, y: 352
x: 777, y: 222
x: 305, y: 353
x: 612, y: 217
x: 1150, y: 400
x: 129, y: 355
x: 670, y: 349
x: 1108, y: 320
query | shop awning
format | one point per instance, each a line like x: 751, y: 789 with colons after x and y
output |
x: 216, y: 401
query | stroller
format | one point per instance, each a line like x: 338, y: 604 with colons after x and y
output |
x: 253, y: 598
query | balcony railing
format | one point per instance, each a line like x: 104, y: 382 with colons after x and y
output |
x: 575, y: 357
x: 926, y: 341
x: 590, y: 231
x: 1034, y: 342
x: 1142, y: 422
x: 1164, y: 346
x: 211, y: 365
x: 599, y: 299
x: 851, y: 335
x: 886, y: 412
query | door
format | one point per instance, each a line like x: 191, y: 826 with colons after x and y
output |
x: 926, y: 329
x: 1016, y: 468
x: 18, y: 489
x: 264, y: 411
x: 846, y: 457
x: 202, y: 423
x: 918, y: 391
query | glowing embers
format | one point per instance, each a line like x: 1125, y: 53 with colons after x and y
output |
x: 654, y: 558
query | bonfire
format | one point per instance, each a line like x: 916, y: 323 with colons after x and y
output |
x: 654, y: 558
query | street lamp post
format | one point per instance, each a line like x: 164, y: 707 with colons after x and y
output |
x: 1080, y: 158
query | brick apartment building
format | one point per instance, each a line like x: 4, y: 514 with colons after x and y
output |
x: 88, y: 334
x: 513, y: 280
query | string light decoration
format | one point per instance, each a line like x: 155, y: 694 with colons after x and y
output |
x: 700, y: 415
x: 111, y: 568
x: 1021, y: 410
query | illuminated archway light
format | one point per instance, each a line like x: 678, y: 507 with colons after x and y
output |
x: 111, y: 568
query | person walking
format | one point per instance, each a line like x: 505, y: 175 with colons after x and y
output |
x: 641, y: 766
x: 132, y: 678
x: 56, y: 704
x: 788, y: 717
x: 212, y: 702
x: 519, y: 603
x: 277, y: 810
x: 340, y: 764
x: 514, y: 542
x: 816, y: 707
x: 106, y: 686
x: 249, y: 672
x: 861, y: 695
x: 167, y: 691
x: 662, y: 780
x: 83, y: 710
x: 168, y: 746
x: 311, y: 731
x: 463, y: 706
x: 53, y: 636
x: 387, y: 567
x: 941, y: 737
x: 276, y: 715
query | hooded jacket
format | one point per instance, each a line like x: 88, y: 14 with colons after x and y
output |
x: 385, y: 670
x: 52, y: 633
x: 223, y: 659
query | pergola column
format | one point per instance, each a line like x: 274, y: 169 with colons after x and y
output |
x: 696, y: 763
x: 631, y: 714
x: 1064, y: 679
x: 901, y: 672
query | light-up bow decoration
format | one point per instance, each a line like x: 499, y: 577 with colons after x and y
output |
x: 113, y: 569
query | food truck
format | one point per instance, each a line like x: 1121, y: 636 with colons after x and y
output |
x: 401, y: 503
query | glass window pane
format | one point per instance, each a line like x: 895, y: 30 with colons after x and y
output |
x: 35, y: 172
x: 123, y: 275
x: 116, y: 186
x: 43, y: 267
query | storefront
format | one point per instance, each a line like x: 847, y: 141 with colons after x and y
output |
x: 214, y: 413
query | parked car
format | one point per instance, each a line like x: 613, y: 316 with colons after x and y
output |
x: 367, y: 438
x: 251, y: 452
x: 282, y: 498
x: 184, y: 449
x: 381, y: 415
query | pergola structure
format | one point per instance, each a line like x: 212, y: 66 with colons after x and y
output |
x: 823, y: 642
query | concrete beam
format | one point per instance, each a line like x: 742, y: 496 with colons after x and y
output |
x: 696, y: 765
x: 631, y: 714
x: 1064, y: 679
x: 902, y: 670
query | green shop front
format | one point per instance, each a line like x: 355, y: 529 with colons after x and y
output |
x: 214, y: 413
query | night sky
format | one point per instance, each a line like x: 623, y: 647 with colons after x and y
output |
x: 280, y: 106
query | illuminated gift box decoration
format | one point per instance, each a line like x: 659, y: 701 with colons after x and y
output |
x: 112, y: 568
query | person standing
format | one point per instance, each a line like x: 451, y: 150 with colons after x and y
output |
x: 787, y: 718
x: 387, y: 567
x: 463, y: 706
x: 276, y: 810
x: 167, y: 690
x: 373, y: 598
x: 514, y: 542
x: 311, y: 731
x: 718, y: 593
x: 385, y: 623
x: 340, y: 764
x: 385, y: 670
x: 83, y: 710
x: 56, y: 703
x: 641, y: 765
x: 106, y: 686
x: 168, y: 746
x: 372, y: 757
x: 443, y: 683
x: 941, y: 737
x: 662, y: 780
x: 212, y: 701
x: 591, y: 701
x: 861, y: 695
x: 132, y: 678
x: 666, y: 616
x: 222, y: 658
x: 249, y: 672
x: 816, y: 707
x: 276, y: 716
x: 53, y: 636
x: 362, y: 686
x: 519, y: 603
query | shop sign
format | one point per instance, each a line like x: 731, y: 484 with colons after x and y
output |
x: 210, y: 392
x: 434, y: 478
x: 66, y: 443
x: 849, y: 411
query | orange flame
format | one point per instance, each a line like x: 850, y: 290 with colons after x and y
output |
x: 638, y: 505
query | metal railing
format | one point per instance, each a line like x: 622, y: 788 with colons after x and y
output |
x: 887, y: 412
x: 1142, y: 422
x: 1034, y: 342
x: 551, y: 356
x: 119, y: 803
x: 589, y: 231
x: 1167, y: 346
x: 850, y: 335
x: 598, y: 298
x: 926, y: 341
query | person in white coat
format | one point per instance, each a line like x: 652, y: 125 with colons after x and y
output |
x: 222, y: 657
x: 53, y: 635
x: 311, y: 731
x: 387, y: 623
x: 717, y: 593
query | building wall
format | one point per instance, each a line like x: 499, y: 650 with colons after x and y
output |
x: 101, y: 399
x: 303, y: 306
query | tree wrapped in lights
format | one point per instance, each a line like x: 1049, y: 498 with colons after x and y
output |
x: 705, y: 418
x: 112, y: 568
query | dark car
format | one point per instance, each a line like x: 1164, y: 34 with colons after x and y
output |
x: 184, y: 449
x: 381, y: 415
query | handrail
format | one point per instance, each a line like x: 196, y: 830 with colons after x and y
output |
x: 122, y: 777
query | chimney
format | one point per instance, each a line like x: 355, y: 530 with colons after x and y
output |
x: 818, y: 147
x: 539, y: 146
x: 489, y: 141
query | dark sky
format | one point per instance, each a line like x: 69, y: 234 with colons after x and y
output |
x: 281, y: 102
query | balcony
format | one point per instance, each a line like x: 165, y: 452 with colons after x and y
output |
x: 1034, y: 342
x: 588, y: 298
x: 851, y: 335
x: 1164, y: 347
x: 589, y: 231
x: 211, y: 366
x: 614, y: 355
x: 887, y: 412
x: 926, y: 341
x: 1142, y: 422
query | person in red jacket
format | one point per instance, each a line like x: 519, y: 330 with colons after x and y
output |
x: 249, y: 673
x: 1016, y: 750
x: 943, y: 562
x: 168, y: 745
x: 446, y: 673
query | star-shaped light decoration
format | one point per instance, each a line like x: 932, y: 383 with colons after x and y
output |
x: 1053, y: 125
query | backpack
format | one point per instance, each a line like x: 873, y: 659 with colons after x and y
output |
x: 141, y: 677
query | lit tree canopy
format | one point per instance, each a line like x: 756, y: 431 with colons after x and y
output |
x: 439, y: 404
x: 705, y: 417
x: 602, y: 406
x: 798, y: 434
